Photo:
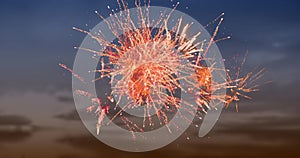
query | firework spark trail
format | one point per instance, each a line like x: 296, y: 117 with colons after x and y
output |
x: 72, y: 72
x: 100, y: 112
x: 239, y: 85
x: 149, y: 65
x: 130, y: 128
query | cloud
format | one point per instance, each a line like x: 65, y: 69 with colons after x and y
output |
x: 69, y: 116
x: 14, y: 128
x: 261, y: 129
x: 83, y: 141
x: 212, y: 146
x: 65, y: 99
x: 14, y: 120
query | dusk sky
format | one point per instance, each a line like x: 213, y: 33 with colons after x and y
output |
x: 35, y: 93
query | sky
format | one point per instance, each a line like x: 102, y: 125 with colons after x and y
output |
x: 35, y: 93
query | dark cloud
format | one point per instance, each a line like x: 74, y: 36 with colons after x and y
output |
x: 65, y: 99
x: 92, y: 145
x: 86, y: 142
x: 265, y: 129
x: 15, y: 128
x: 14, y: 120
x: 70, y: 116
x: 202, y: 147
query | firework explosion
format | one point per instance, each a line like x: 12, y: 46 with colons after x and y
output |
x: 148, y: 59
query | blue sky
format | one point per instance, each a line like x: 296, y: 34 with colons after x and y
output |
x: 37, y: 35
